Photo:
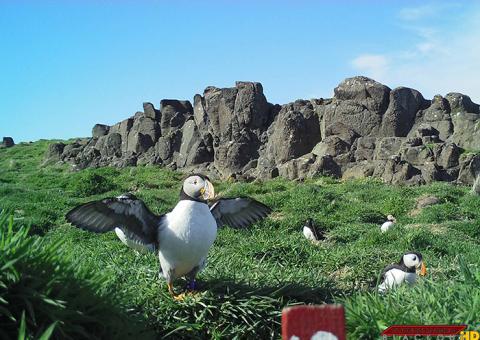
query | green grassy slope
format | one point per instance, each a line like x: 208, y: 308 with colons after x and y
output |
x: 252, y: 274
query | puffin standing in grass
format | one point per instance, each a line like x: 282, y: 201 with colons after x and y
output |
x: 182, y: 237
x: 312, y: 232
x: 388, y: 224
x: 405, y: 271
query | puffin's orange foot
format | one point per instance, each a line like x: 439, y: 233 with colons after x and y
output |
x: 180, y: 297
x: 186, y: 295
x: 170, y: 289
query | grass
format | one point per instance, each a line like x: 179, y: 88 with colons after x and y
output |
x: 43, y: 291
x: 251, y: 274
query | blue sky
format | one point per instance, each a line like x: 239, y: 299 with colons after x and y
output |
x: 68, y: 65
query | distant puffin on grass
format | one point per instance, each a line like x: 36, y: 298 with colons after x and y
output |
x: 405, y: 271
x: 388, y: 224
x: 183, y: 236
x: 312, y: 232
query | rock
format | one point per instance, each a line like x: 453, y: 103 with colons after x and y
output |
x: 359, y: 103
x: 152, y: 113
x: 112, y: 146
x: 359, y: 170
x: 366, y: 129
x: 123, y: 128
x: 373, y: 95
x: 387, y: 147
x: 426, y: 131
x: 430, y: 140
x: 448, y: 156
x: 174, y: 113
x: 400, y: 115
x: 466, y: 130
x: 437, y: 116
x: 192, y: 149
x: 167, y: 145
x: 70, y: 151
x: 332, y: 145
x: 128, y: 159
x: 54, y: 152
x: 100, y: 130
x: 365, y: 148
x: 426, y: 201
x: 7, y: 142
x: 417, y: 155
x: 200, y: 114
x: 414, y: 141
x: 423, y: 202
x: 461, y: 103
x: 325, y: 166
x: 267, y: 172
x: 235, y: 118
x: 342, y: 131
x: 476, y: 186
x: 250, y: 165
x: 430, y: 172
x: 232, y: 156
x: 296, y: 130
x: 469, y: 168
x: 143, y: 134
x: 297, y: 168
x: 396, y: 171
x: 88, y: 157
x: 251, y: 107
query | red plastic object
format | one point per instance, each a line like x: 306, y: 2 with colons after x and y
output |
x: 307, y: 322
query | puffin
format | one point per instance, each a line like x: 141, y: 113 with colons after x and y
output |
x: 181, y: 237
x: 388, y: 224
x: 312, y: 232
x: 405, y: 271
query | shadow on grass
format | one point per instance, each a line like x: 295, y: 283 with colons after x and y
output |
x: 287, y: 291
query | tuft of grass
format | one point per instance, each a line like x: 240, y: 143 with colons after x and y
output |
x: 88, y: 183
x: 43, y: 292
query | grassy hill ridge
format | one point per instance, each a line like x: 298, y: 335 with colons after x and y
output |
x: 252, y: 274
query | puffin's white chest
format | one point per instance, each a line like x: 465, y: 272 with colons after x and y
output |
x: 307, y: 232
x: 188, y: 233
x: 387, y: 225
x: 396, y: 277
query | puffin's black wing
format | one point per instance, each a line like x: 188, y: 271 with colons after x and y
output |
x: 239, y: 212
x: 390, y: 267
x: 126, y: 212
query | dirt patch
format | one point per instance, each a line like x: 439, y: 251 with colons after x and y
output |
x: 436, y: 229
x: 422, y: 202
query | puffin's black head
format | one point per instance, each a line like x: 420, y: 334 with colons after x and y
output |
x: 412, y: 261
x: 197, y: 187
x: 309, y: 224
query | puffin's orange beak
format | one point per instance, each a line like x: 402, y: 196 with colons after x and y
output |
x: 208, y: 192
x: 423, y: 269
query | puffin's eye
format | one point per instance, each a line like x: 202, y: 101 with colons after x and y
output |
x: 414, y: 258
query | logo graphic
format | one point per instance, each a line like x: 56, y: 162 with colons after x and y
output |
x: 426, y: 330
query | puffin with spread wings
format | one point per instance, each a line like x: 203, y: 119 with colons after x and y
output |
x: 181, y: 237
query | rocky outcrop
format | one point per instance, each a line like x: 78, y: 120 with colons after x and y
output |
x: 366, y: 129
x: 7, y: 142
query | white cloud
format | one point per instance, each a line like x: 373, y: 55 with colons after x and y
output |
x: 426, y: 11
x: 372, y: 65
x: 444, y: 58
x: 426, y: 47
x: 416, y: 13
